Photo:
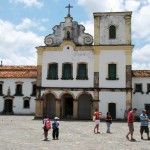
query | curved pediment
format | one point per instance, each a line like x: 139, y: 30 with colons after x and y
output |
x: 68, y: 31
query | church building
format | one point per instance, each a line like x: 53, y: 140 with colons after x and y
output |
x: 77, y: 73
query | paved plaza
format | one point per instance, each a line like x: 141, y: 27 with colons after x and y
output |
x: 25, y: 133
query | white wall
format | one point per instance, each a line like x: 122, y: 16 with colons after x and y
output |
x: 68, y: 55
x: 117, y: 21
x: 113, y: 97
x: 138, y: 99
x: 115, y: 56
x: 18, y: 100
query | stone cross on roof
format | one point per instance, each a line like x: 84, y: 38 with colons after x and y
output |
x: 69, y: 6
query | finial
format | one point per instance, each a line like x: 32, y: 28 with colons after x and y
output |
x: 69, y: 6
x: 8, y: 92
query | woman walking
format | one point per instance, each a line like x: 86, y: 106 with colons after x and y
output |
x: 108, y: 121
x: 97, y: 120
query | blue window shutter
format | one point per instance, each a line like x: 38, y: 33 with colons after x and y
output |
x: 67, y: 71
x: 53, y: 71
x: 82, y: 72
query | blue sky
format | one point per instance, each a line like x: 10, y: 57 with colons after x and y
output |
x: 25, y: 23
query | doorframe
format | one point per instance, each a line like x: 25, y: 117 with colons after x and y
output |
x: 6, y: 98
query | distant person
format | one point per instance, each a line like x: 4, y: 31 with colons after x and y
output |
x: 47, y: 127
x: 97, y: 120
x: 144, y: 124
x: 55, y: 127
x: 130, y: 124
x: 108, y: 120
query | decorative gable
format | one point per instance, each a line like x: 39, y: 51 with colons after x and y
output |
x: 68, y: 30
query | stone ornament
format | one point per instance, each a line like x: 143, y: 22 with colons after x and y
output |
x: 48, y: 41
x: 88, y: 40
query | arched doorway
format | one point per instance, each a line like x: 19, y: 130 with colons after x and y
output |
x: 50, y: 105
x: 84, y: 106
x: 8, y: 106
x: 112, y: 110
x: 67, y: 106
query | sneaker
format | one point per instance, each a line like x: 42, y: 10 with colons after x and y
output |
x: 133, y: 139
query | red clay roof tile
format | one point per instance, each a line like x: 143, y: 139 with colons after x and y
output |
x: 18, y: 71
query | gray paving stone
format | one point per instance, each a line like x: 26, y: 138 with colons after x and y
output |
x: 24, y: 133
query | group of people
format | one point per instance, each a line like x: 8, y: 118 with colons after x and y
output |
x: 96, y: 118
x: 48, y: 126
x: 144, y: 119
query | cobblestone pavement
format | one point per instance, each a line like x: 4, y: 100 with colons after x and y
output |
x: 24, y: 133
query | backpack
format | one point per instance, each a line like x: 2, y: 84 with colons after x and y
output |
x: 47, y: 124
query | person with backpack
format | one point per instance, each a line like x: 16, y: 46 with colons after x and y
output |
x: 55, y: 126
x: 47, y: 127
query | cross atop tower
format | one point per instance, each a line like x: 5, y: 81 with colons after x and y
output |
x: 69, y: 6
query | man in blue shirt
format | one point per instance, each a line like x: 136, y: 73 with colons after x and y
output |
x: 144, y: 124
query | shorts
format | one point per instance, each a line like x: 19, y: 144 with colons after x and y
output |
x: 144, y: 128
x: 97, y: 122
x: 131, y: 127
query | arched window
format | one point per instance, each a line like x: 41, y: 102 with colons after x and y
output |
x: 26, y: 102
x: 112, y: 32
x: 19, y: 86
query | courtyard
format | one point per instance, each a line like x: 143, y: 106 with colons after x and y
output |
x: 25, y: 133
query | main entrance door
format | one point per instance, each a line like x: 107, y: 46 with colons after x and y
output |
x: 8, y: 106
x: 112, y: 109
x: 67, y: 106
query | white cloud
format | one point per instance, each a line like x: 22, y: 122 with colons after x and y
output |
x: 89, y: 28
x: 18, y: 47
x: 26, y: 24
x: 141, y: 23
x: 101, y: 5
x: 141, y: 58
x: 132, y: 5
x: 28, y: 3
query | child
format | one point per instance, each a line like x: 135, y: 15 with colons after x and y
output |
x: 55, y: 127
x: 47, y: 126
x: 108, y: 121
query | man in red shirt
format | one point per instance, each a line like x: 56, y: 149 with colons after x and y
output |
x: 130, y: 123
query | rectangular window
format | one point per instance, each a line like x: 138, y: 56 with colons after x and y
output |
x: 26, y: 104
x: 67, y: 71
x: 112, y: 71
x: 82, y: 71
x: 1, y: 89
x: 19, y: 90
x: 148, y: 88
x: 33, y: 90
x: 53, y: 71
x: 138, y: 88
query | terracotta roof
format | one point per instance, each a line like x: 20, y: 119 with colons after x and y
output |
x: 140, y: 73
x: 18, y: 71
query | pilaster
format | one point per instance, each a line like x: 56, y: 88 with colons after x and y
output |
x: 75, y: 109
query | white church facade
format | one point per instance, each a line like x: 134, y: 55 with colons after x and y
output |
x: 77, y: 73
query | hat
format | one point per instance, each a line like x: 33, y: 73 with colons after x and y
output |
x: 144, y: 110
x: 56, y: 118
